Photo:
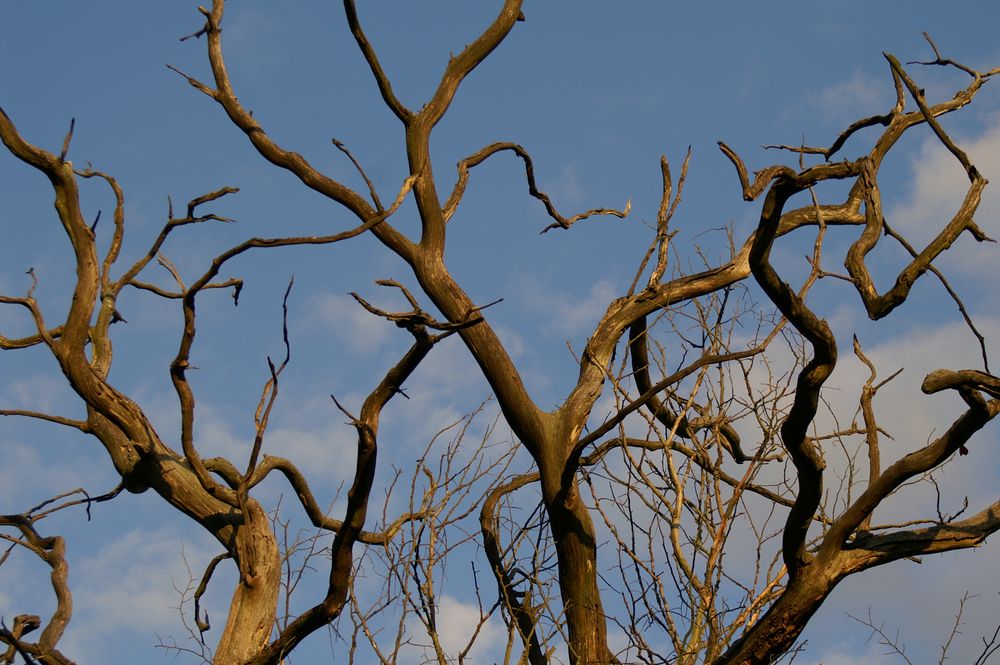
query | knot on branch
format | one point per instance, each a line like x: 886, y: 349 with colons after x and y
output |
x: 761, y: 178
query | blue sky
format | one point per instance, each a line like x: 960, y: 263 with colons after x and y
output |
x: 596, y: 92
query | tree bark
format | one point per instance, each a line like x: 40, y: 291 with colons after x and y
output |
x: 576, y: 552
x: 253, y: 608
x: 776, y: 632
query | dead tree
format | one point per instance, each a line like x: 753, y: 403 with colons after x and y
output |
x: 674, y: 485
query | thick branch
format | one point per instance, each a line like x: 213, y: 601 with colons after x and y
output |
x: 461, y: 65
x: 10, y: 343
x: 357, y: 506
x: 929, y: 457
x: 517, y: 603
x: 875, y: 550
x: 794, y: 430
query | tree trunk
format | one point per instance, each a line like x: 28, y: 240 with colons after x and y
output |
x: 576, y: 551
x: 776, y: 632
x: 253, y: 609
x: 249, y: 537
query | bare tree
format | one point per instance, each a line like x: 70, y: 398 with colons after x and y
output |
x: 668, y: 473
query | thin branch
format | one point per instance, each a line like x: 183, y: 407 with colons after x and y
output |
x: 81, y: 425
x: 478, y: 158
x: 384, y: 85
x: 371, y: 187
x: 951, y: 292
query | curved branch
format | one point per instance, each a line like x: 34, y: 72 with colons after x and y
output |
x: 880, y: 305
x: 529, y: 172
x: 271, y: 151
x: 51, y: 550
x: 874, y: 550
x: 119, y: 221
x: 945, y: 379
x: 805, y: 454
x: 60, y: 174
x: 518, y: 604
x: 761, y: 178
x: 920, y: 461
x: 236, y: 284
x: 884, y: 120
x: 10, y: 343
x: 889, y: 231
x: 203, y: 624
x: 30, y: 304
x: 462, y: 65
x: 350, y: 529
x: 680, y: 425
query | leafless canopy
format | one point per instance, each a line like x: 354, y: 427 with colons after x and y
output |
x: 695, y: 450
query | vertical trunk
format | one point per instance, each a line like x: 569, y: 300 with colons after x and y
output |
x: 576, y: 550
x: 253, y: 608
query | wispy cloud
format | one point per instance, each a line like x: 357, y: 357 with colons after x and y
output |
x: 860, y: 94
x: 28, y: 474
x: 569, y: 314
x: 566, y: 190
x: 39, y: 392
x: 132, y: 585
x: 456, y: 624
x: 328, y: 453
x: 938, y: 186
x: 342, y: 316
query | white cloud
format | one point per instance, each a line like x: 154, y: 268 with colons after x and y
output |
x: 939, y: 185
x: 861, y: 93
x: 326, y: 452
x: 569, y: 314
x: 131, y: 584
x: 512, y: 341
x: 457, y: 621
x: 341, y: 315
x: 213, y: 436
x: 129, y: 581
x: 456, y: 624
x: 566, y: 191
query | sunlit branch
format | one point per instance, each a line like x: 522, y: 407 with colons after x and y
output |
x: 951, y: 292
x: 295, y: 163
x: 517, y: 603
x: 384, y: 86
x: 529, y: 172
x: 59, y: 420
